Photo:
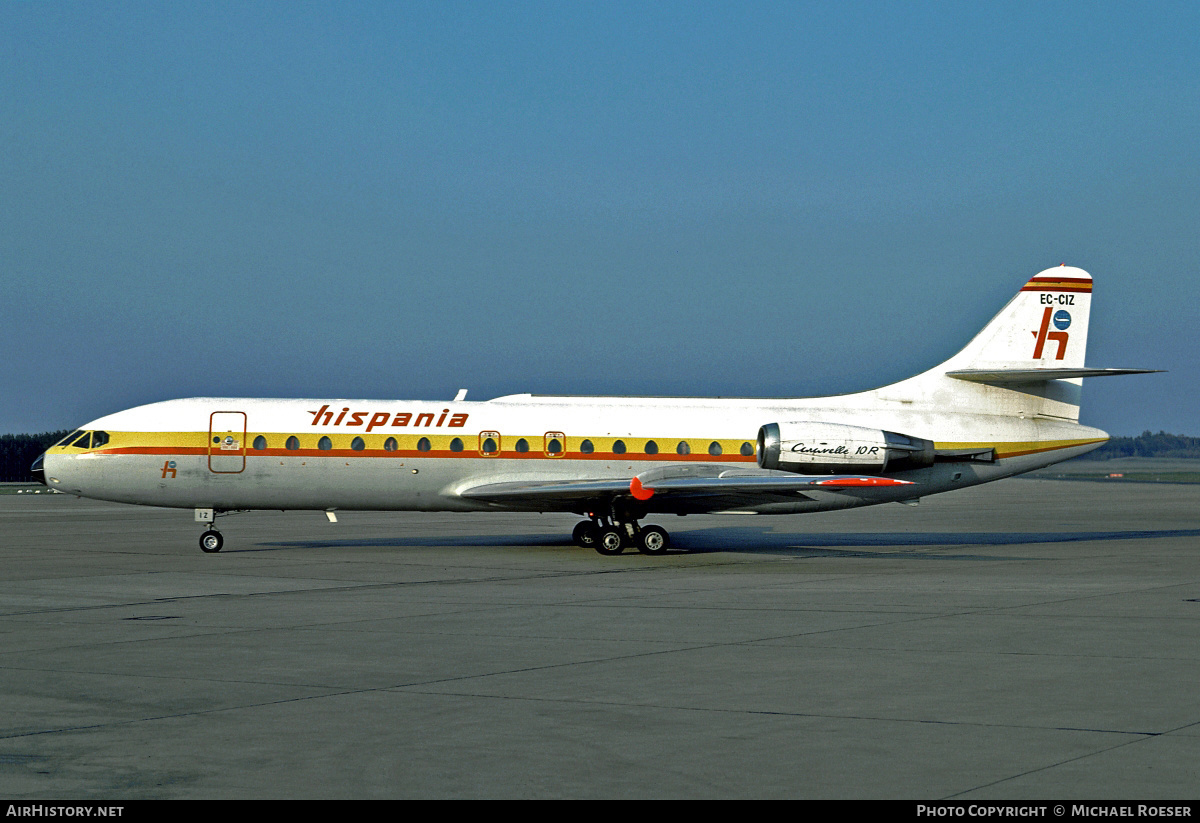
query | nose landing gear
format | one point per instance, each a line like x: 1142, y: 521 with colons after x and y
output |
x: 211, y: 541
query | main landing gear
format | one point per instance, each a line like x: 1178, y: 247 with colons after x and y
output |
x: 611, y: 536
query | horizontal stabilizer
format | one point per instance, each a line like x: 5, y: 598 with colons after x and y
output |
x: 1037, y: 375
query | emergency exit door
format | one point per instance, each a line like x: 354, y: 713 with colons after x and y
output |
x: 227, y: 442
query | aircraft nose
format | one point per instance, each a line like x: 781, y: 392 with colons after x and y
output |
x: 37, y: 470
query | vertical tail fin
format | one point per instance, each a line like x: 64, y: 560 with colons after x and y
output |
x: 1015, y: 365
x: 1044, y: 326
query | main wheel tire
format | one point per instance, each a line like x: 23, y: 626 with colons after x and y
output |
x: 211, y: 542
x: 609, y: 541
x: 653, y: 540
x: 586, y: 534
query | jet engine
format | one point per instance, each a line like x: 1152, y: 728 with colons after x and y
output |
x: 835, y: 448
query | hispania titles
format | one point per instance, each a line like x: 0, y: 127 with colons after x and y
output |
x: 373, y: 420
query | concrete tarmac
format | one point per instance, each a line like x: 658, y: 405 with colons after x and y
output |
x: 1028, y: 639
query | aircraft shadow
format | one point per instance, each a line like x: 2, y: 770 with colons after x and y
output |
x: 760, y: 540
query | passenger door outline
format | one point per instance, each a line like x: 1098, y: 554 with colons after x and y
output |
x: 227, y: 442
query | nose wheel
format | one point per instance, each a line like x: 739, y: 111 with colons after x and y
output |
x: 211, y: 541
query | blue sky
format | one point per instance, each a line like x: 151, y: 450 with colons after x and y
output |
x: 742, y: 199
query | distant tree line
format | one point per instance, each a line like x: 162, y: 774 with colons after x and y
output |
x: 1148, y: 444
x: 18, y: 451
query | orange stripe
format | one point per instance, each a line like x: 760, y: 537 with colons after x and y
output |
x: 1070, y: 284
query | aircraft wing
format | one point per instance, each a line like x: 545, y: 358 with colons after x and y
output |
x: 689, y: 488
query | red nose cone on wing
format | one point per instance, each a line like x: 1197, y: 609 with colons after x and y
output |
x: 639, y: 491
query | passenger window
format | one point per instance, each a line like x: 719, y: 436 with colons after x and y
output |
x: 554, y: 444
x: 423, y: 445
x: 357, y: 444
x: 390, y: 444
x: 522, y: 445
x: 619, y: 447
x: 456, y: 445
x: 325, y: 444
x: 747, y: 450
x: 260, y: 443
x: 714, y: 448
x: 683, y: 448
x: 651, y: 447
x: 586, y: 447
x: 292, y: 443
x: 99, y: 439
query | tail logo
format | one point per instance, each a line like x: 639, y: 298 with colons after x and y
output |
x: 1061, y: 321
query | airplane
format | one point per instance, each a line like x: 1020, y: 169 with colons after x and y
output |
x: 1006, y: 404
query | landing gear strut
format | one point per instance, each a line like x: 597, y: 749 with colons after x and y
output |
x: 612, y: 535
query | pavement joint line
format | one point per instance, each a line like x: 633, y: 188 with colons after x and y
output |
x: 1141, y: 739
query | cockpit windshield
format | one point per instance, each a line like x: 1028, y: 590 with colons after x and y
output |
x: 84, y: 440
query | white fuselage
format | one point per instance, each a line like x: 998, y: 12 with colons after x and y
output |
x: 163, y: 454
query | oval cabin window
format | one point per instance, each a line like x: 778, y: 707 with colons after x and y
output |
x: 292, y: 443
x: 423, y: 445
x: 619, y: 447
x: 714, y: 448
x: 325, y: 444
x: 260, y: 443
x: 390, y: 444
x: 357, y: 444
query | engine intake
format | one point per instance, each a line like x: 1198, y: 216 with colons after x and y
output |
x: 835, y: 448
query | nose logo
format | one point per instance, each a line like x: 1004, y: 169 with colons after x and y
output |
x: 168, y: 468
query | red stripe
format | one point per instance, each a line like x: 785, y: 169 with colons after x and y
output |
x: 1070, y: 289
